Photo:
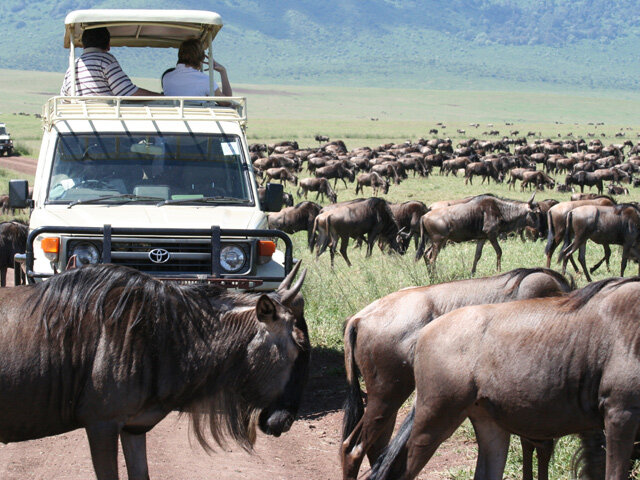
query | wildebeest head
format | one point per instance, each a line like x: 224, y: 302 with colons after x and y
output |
x: 385, y: 186
x: 278, y: 417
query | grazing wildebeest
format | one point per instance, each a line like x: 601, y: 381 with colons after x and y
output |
x: 354, y: 219
x: 482, y: 218
x: 616, y: 225
x: 320, y: 185
x: 295, y: 219
x: 484, y: 169
x: 336, y: 171
x: 583, y: 178
x: 537, y: 178
x: 379, y: 343
x: 517, y: 174
x: 540, y: 368
x: 408, y: 215
x: 280, y: 173
x: 373, y: 180
x: 13, y: 239
x: 556, y: 223
x: 112, y: 350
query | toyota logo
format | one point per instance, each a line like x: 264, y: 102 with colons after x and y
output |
x: 159, y: 255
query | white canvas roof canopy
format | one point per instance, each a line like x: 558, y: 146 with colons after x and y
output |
x: 143, y: 28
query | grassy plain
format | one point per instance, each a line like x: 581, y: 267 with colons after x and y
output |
x: 372, y: 117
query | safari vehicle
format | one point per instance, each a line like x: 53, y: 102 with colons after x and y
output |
x: 161, y: 184
x: 6, y: 144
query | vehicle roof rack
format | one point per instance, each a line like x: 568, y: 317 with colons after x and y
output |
x: 144, y: 108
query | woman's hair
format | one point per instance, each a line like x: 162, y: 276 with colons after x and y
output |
x: 191, y: 52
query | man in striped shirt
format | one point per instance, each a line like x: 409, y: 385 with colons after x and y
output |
x: 98, y: 72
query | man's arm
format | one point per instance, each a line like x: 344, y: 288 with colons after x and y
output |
x: 224, y: 80
x: 142, y: 92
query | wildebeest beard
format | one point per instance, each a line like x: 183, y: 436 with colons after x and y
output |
x: 158, y: 339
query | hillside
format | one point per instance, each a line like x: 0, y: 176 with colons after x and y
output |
x: 468, y: 44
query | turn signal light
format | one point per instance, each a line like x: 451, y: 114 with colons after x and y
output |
x: 51, y: 247
x: 266, y: 248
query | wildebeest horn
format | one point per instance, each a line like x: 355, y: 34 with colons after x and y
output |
x: 287, y: 296
x: 531, y: 199
x: 286, y: 283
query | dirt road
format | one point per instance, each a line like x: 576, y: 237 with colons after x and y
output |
x: 308, y: 452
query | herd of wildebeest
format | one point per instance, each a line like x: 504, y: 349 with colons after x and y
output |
x: 112, y: 350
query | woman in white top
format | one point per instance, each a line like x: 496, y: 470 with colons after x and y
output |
x: 188, y: 80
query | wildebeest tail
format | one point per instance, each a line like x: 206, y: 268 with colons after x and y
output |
x: 550, y: 233
x: 354, y: 404
x: 312, y: 237
x: 568, y: 230
x: 589, y: 460
x: 423, y: 242
x: 392, y: 463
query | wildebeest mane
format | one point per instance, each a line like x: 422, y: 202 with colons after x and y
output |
x: 150, y: 322
x: 519, y: 274
x: 579, y: 298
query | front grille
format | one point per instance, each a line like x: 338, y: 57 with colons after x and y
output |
x: 186, y: 255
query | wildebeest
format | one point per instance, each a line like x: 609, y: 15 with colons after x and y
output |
x: 556, y: 223
x: 484, y: 169
x: 537, y: 178
x: 336, y: 171
x: 373, y: 180
x: 280, y: 173
x: 379, y: 344
x: 583, y: 178
x: 13, y: 239
x: 408, y: 215
x: 617, y: 190
x: 319, y: 185
x: 295, y: 219
x: 540, y: 368
x: 354, y: 219
x: 481, y: 219
x: 617, y: 225
x: 112, y: 350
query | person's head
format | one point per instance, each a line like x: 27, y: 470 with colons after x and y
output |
x: 191, y: 53
x: 96, y: 37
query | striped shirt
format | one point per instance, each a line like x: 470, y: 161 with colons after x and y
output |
x: 98, y: 73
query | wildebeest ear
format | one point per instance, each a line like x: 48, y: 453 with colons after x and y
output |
x: 265, y: 309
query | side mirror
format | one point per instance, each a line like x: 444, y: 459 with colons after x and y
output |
x: 18, y: 193
x: 272, y: 198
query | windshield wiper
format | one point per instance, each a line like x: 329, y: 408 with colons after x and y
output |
x: 215, y: 199
x: 124, y: 196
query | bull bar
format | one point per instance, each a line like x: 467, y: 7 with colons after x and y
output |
x: 107, y: 231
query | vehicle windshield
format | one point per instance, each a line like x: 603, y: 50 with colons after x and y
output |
x: 146, y: 168
x: 3, y: 131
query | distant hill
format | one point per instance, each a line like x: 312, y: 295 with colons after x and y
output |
x: 469, y: 44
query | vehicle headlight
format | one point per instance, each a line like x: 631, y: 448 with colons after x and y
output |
x: 85, y: 253
x: 232, y: 258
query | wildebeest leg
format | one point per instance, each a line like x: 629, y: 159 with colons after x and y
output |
x: 620, y: 428
x: 581, y: 258
x: 431, y: 427
x: 527, y: 459
x: 103, y: 442
x: 493, y: 446
x: 135, y: 455
x: 344, y: 243
x: 344, y: 181
x: 607, y: 255
x: 372, y: 433
x: 544, y: 450
x: 496, y: 247
x: 3, y: 277
x: 478, y: 254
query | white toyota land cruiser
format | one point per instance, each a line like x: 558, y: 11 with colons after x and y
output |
x: 162, y: 184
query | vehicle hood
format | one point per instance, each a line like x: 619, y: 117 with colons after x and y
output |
x: 149, y: 216
x: 5, y: 137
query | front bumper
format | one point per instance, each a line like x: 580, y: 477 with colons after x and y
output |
x: 215, y: 237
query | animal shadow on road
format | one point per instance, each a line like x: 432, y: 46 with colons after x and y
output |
x: 326, y: 390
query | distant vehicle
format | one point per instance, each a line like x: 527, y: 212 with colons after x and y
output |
x: 6, y: 144
x: 161, y: 184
